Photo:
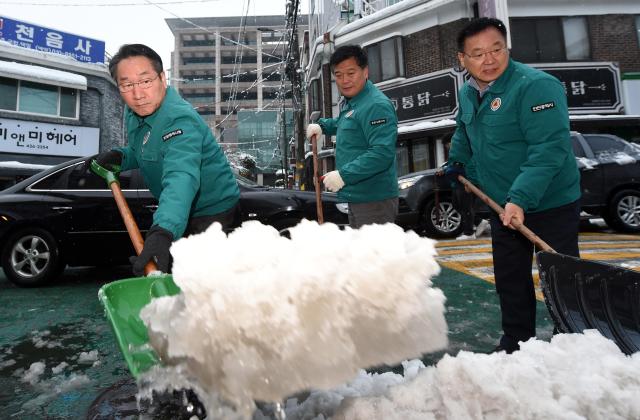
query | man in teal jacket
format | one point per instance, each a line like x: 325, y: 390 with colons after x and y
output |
x: 183, y: 166
x: 513, y: 122
x: 366, y: 134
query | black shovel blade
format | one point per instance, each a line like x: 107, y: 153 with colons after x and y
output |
x: 582, y: 294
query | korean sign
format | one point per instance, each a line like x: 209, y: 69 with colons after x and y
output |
x: 430, y: 97
x: 36, y: 138
x: 38, y: 38
x: 590, y: 87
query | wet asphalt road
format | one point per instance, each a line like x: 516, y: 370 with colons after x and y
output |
x: 63, y: 327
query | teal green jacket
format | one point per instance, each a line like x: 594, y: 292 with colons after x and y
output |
x: 366, y: 132
x: 181, y: 162
x: 518, y: 138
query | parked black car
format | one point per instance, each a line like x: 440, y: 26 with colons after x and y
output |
x: 610, y: 180
x: 67, y: 216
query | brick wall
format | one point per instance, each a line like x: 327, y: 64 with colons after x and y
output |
x: 614, y: 38
x: 432, y: 49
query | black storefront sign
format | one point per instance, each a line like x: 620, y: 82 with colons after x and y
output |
x: 430, y: 97
x: 590, y: 87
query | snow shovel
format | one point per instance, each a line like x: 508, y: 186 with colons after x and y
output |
x: 582, y: 294
x: 316, y: 180
x: 124, y: 299
x: 125, y: 212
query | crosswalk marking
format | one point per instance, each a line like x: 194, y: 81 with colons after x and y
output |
x: 473, y: 257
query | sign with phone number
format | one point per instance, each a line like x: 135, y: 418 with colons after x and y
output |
x: 36, y: 138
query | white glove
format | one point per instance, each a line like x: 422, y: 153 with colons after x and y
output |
x: 314, y: 130
x: 333, y: 181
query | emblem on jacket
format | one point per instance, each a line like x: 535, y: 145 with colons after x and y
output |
x: 378, y: 121
x: 145, y: 139
x: 495, y: 104
x: 350, y: 113
x: 171, y: 134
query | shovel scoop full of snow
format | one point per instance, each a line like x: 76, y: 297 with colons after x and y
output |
x: 261, y: 316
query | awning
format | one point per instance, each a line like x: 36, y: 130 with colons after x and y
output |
x: 39, y: 74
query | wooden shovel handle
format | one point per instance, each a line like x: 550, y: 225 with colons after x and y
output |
x: 316, y: 179
x: 535, y: 239
x: 132, y: 226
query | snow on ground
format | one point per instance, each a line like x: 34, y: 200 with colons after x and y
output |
x: 49, y: 386
x: 261, y: 317
x: 576, y: 376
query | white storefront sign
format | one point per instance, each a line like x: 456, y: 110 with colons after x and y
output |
x: 37, y: 138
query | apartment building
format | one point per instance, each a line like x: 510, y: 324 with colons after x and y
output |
x: 225, y: 64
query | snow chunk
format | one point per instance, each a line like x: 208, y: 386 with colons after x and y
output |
x: 261, y: 317
x: 32, y: 375
x: 59, y: 368
x: 88, y: 357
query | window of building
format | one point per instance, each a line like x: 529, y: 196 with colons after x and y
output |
x: 576, y: 38
x: 8, y: 93
x: 198, y: 42
x: 386, y: 60
x: 315, y: 99
x: 38, y: 98
x: 536, y: 40
x: 198, y: 60
x: 402, y: 161
x: 638, y: 28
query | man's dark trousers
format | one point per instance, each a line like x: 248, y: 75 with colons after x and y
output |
x: 512, y: 262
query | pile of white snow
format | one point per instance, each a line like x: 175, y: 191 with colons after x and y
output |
x: 575, y: 376
x: 261, y: 317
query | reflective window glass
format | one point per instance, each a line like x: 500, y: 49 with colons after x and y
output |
x: 38, y: 98
x: 8, y: 93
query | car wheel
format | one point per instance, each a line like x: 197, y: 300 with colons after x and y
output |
x: 283, y: 225
x: 442, y: 221
x: 624, y: 211
x: 31, y: 258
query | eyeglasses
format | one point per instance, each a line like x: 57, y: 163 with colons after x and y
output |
x: 498, y: 52
x: 144, y: 84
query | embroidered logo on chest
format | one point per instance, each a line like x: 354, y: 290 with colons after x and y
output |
x: 495, y: 104
x: 145, y: 139
x: 171, y: 134
x: 349, y: 114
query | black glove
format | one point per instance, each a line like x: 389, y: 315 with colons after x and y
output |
x: 156, y: 249
x: 451, y: 172
x: 105, y: 159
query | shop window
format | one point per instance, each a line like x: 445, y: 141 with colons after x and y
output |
x: 38, y: 98
x: 386, y: 60
x: 536, y: 40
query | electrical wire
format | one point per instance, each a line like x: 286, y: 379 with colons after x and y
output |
x: 58, y: 4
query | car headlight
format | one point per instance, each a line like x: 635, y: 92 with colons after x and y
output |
x: 343, y: 207
x: 405, y: 183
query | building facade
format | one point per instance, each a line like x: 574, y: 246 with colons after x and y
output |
x: 412, y: 49
x: 52, y: 109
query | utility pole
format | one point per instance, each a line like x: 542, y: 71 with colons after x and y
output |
x: 292, y: 71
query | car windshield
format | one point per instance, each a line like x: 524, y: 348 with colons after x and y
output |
x: 246, y: 181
